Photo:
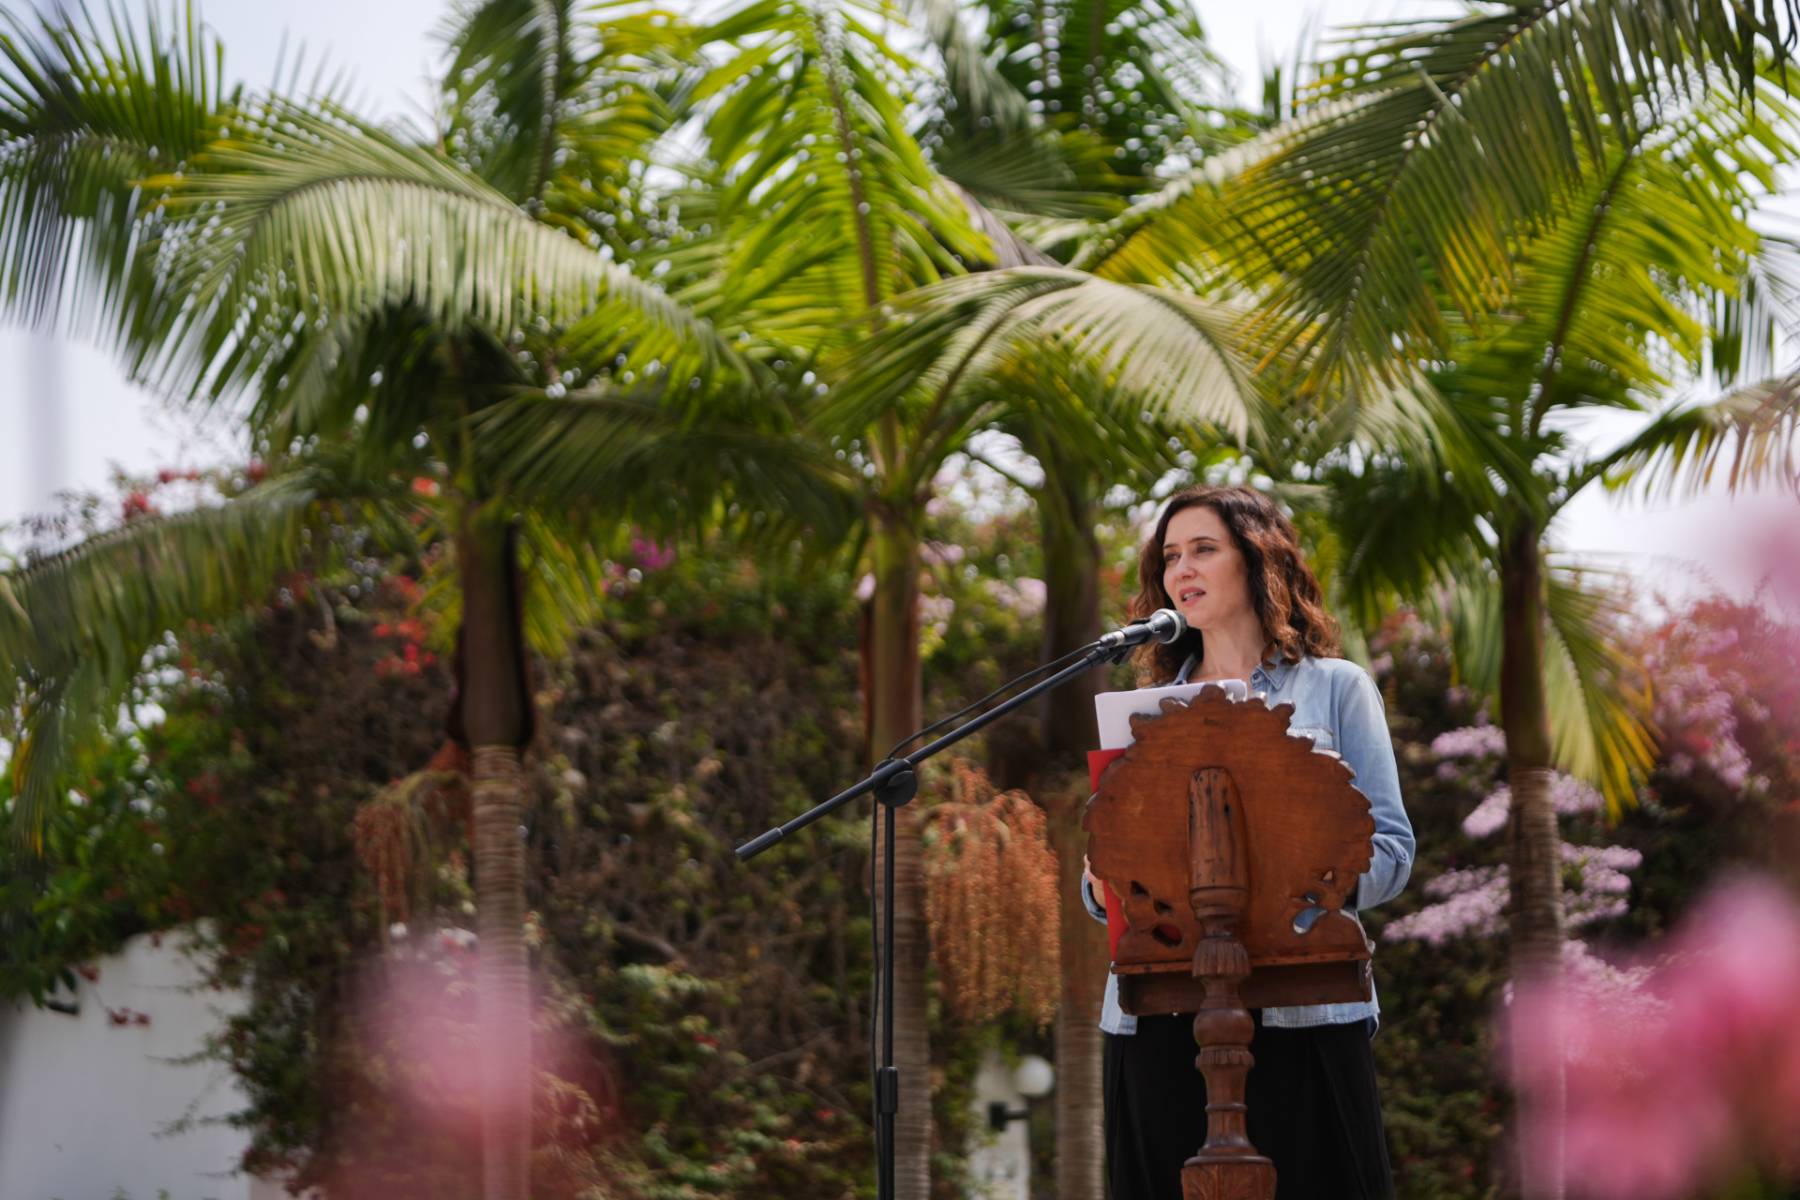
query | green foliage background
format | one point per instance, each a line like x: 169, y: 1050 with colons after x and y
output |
x: 719, y: 1012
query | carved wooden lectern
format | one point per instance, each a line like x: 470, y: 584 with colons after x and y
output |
x: 1232, y: 847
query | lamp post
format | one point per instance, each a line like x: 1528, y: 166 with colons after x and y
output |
x: 1034, y: 1078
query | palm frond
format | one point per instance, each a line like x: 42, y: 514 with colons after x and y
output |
x: 1173, y: 353
x: 1613, y: 300
x: 823, y: 205
x: 1009, y: 248
x: 1403, y: 531
x: 567, y: 578
x: 1040, y: 172
x: 514, y: 65
x: 1135, y: 76
x: 1598, y: 699
x: 50, y: 718
x: 972, y: 75
x: 1042, y: 396
x: 1751, y: 431
x: 89, y: 111
x: 75, y: 625
x: 559, y: 109
x: 611, y: 455
x: 1597, y: 702
x: 1170, y: 235
x: 1437, y: 141
x: 302, y: 218
x: 1469, y: 609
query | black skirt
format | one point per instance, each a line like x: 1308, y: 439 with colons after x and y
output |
x: 1313, y: 1110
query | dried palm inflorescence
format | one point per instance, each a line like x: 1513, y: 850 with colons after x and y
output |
x: 990, y: 895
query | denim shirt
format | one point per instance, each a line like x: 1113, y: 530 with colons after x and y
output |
x: 1339, y: 707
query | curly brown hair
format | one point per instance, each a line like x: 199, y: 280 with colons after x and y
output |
x: 1283, y: 590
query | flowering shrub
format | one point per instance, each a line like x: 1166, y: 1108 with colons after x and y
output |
x: 1678, y: 1075
x: 1696, y: 689
x: 1471, y: 901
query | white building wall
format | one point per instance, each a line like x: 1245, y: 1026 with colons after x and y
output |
x: 999, y: 1163
x: 85, y: 1104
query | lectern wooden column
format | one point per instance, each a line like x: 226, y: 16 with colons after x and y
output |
x: 1232, y: 847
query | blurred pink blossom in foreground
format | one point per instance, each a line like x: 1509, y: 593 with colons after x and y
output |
x: 1681, y: 1074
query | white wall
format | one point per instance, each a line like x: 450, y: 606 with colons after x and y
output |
x: 999, y: 1164
x: 85, y: 1103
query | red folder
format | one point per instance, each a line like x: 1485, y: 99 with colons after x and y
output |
x: 1115, y: 912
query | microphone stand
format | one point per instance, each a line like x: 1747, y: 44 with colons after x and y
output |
x: 894, y: 783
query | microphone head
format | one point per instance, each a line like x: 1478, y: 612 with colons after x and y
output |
x: 1166, y: 625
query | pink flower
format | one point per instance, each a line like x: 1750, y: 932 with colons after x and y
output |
x: 651, y: 555
x: 1471, y: 741
x: 1678, y: 1073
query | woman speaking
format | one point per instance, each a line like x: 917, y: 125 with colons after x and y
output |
x: 1228, y: 561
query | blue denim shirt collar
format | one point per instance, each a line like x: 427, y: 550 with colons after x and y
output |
x: 1263, y: 677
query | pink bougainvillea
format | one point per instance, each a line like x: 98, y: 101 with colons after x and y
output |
x: 1472, y: 901
x: 1568, y: 796
x: 1677, y: 1075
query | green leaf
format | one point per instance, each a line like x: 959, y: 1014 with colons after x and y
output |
x: 1597, y: 696
x: 1173, y: 353
x: 611, y: 455
x: 1752, y: 431
x: 75, y: 625
x: 89, y: 112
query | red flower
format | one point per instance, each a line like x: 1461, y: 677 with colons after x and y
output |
x: 449, y: 757
x: 256, y: 471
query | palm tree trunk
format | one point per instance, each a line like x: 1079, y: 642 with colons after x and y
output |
x: 496, y: 719
x: 1535, y: 912
x: 896, y: 709
x: 1072, y: 619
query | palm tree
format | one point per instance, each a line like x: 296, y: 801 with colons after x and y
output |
x: 1615, y: 298
x: 1376, y: 232
x: 1053, y: 116
x: 826, y: 245
x: 367, y: 298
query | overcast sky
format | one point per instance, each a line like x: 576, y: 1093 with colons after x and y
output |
x: 388, y: 48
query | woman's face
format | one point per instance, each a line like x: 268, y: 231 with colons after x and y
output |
x: 1203, y: 571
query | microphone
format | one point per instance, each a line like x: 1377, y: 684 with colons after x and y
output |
x: 1163, y: 625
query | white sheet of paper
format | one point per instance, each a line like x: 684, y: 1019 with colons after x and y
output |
x: 1113, y: 710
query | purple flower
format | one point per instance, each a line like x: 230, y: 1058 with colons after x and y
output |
x: 651, y: 556
x: 1471, y: 741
